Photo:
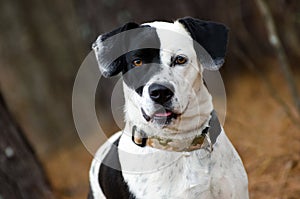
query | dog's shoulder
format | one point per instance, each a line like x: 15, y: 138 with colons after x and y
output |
x: 101, y: 153
x: 106, y: 179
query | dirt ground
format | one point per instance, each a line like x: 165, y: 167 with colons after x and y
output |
x: 261, y: 131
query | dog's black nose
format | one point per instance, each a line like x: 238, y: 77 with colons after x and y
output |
x: 161, y: 94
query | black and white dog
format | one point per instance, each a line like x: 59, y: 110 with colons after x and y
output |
x: 173, y: 145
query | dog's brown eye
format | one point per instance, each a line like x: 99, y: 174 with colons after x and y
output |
x: 137, y: 62
x: 180, y: 60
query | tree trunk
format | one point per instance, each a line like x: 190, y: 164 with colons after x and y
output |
x: 21, y: 174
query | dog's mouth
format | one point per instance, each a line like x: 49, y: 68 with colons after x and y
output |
x: 162, y: 116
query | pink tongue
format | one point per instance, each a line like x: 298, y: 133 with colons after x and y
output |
x: 165, y: 114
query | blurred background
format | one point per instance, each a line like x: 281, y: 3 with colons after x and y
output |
x: 43, y: 43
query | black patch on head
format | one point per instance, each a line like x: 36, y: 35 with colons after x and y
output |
x: 210, y: 35
x: 150, y: 57
x: 114, y: 51
x: 108, y: 46
x: 137, y: 77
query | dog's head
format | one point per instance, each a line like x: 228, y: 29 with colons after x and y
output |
x: 162, y: 65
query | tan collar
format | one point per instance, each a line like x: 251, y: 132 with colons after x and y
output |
x: 203, y: 138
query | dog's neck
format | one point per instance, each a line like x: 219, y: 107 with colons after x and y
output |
x: 204, y: 137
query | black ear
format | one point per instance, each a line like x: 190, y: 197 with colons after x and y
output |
x: 211, y: 36
x: 108, y: 49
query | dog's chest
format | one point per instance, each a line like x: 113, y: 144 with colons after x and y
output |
x: 186, y: 175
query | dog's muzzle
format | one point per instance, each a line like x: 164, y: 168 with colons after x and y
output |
x: 161, y: 95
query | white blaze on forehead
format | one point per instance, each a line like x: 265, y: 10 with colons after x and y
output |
x: 175, y: 27
x: 173, y: 36
x: 174, y: 40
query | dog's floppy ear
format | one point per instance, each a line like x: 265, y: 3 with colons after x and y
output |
x: 211, y: 36
x: 108, y: 49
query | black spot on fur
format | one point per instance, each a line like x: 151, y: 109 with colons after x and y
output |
x: 110, y: 179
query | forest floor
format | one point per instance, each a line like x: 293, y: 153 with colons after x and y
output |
x: 266, y: 139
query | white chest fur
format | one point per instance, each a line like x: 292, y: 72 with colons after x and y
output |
x: 152, y: 173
